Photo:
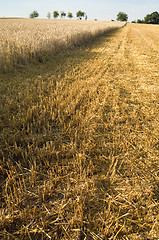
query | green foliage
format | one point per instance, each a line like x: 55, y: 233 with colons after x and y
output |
x: 121, y: 16
x: 55, y: 14
x: 147, y: 18
x: 152, y: 18
x: 155, y: 18
x: 49, y: 15
x: 80, y: 14
x: 63, y: 14
x: 139, y: 21
x: 34, y: 14
x: 70, y: 15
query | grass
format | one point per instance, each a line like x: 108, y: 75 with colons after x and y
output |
x: 79, y: 143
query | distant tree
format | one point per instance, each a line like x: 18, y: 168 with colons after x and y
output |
x: 121, y: 16
x: 86, y: 17
x: 152, y: 18
x: 70, y: 15
x: 147, y: 18
x: 155, y: 18
x: 133, y: 21
x: 55, y: 14
x: 63, y: 14
x: 139, y: 21
x: 49, y: 15
x: 80, y: 14
x: 34, y: 14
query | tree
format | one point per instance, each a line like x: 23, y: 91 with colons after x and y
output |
x: 69, y: 15
x: 155, y: 18
x: 80, y: 14
x: 139, y: 21
x: 34, y: 14
x: 55, y: 14
x: 63, y: 14
x: 122, y: 17
x: 49, y: 15
x: 152, y: 18
x: 147, y: 19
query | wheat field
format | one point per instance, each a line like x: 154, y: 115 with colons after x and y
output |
x: 30, y: 40
x: 79, y: 140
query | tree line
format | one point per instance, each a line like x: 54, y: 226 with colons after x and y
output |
x: 152, y: 18
x: 121, y: 16
x: 80, y: 14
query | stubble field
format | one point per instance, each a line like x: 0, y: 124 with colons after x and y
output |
x: 79, y: 141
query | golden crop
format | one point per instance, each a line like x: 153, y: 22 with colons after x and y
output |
x: 27, y: 40
x: 79, y: 142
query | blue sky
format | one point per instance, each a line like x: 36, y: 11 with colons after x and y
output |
x: 99, y: 9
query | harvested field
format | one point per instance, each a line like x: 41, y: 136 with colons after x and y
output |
x: 24, y: 41
x: 80, y: 142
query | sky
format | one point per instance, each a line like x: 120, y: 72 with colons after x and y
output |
x: 95, y: 9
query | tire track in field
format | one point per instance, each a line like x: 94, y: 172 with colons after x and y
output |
x: 147, y: 60
x: 102, y: 56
